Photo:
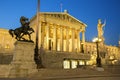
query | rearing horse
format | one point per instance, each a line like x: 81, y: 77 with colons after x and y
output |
x: 19, y: 33
x: 23, y: 30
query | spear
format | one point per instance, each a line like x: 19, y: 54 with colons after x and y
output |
x: 104, y: 24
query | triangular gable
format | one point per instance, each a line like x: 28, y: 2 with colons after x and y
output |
x: 62, y: 15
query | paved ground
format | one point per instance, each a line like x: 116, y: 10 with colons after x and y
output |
x: 77, y: 74
x: 110, y: 73
x: 113, y: 77
x: 70, y: 78
x: 93, y: 78
x: 13, y: 79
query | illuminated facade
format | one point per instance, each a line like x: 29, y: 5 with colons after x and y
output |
x: 6, y: 42
x: 59, y: 32
x: 109, y: 54
x: 59, y: 35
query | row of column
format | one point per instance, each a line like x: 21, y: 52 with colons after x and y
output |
x: 61, y: 44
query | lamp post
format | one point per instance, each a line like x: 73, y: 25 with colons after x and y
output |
x: 98, y: 59
x: 36, y: 57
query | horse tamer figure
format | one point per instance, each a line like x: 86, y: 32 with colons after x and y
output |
x: 23, y: 30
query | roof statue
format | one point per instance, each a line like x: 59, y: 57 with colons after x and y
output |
x: 100, y: 28
x: 25, y: 29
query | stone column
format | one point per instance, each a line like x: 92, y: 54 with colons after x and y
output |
x: 61, y: 39
x: 83, y: 36
x: 67, y: 39
x: 42, y: 33
x: 39, y: 35
x: 73, y: 40
x: 83, y: 39
x: 47, y: 37
x: 54, y: 38
x: 78, y: 41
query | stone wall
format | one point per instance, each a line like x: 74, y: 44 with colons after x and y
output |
x: 51, y: 59
x: 4, y: 70
x: 6, y: 41
x: 5, y: 58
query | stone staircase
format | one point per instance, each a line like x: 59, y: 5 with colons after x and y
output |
x: 62, y: 73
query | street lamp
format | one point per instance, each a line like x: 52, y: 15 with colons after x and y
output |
x: 36, y: 57
x: 98, y: 59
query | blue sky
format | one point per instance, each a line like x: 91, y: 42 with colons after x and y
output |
x: 87, y: 11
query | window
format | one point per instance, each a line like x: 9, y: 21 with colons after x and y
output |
x: 81, y: 62
x: 73, y: 64
x: 66, y: 64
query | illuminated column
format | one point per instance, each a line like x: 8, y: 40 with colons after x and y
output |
x: 64, y: 48
x: 83, y: 36
x: 47, y: 37
x: 83, y: 39
x: 57, y: 41
x: 73, y: 40
x: 39, y: 34
x: 61, y: 39
x: 67, y: 39
x: 43, y: 34
x: 78, y: 41
x: 54, y: 38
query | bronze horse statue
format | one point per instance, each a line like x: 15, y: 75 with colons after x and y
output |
x: 18, y: 32
x: 23, y: 30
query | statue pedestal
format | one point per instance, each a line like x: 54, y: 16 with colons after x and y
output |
x: 23, y: 62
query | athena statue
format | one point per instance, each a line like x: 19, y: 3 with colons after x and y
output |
x: 100, y: 28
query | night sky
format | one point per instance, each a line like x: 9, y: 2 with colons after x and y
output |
x: 87, y: 11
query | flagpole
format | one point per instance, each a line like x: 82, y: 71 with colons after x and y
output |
x: 61, y: 6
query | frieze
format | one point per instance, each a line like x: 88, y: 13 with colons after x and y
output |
x: 65, y: 17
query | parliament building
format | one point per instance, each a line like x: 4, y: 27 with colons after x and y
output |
x: 59, y: 43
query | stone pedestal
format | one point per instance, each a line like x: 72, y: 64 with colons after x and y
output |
x: 23, y: 60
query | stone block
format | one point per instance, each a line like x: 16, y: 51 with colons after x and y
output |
x: 23, y: 62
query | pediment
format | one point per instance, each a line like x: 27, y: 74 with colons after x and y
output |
x: 63, y: 16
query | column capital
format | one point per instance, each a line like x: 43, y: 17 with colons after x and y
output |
x: 43, y: 23
x: 83, y: 31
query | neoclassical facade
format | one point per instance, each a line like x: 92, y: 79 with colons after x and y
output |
x: 60, y: 43
x: 59, y: 32
x: 110, y: 54
x: 6, y: 42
